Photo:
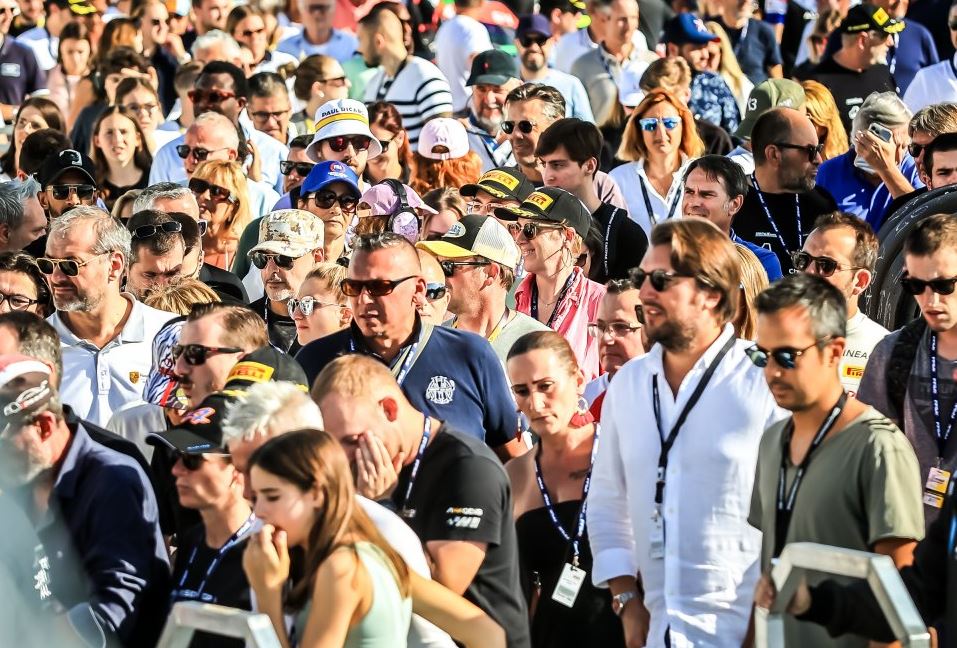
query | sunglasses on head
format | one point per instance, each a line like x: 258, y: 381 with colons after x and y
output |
x: 197, y: 354
x: 527, y: 40
x: 199, y: 154
x: 375, y: 287
x: 812, y: 150
x: 301, y: 168
x: 448, y: 267
x: 824, y: 266
x: 69, y: 267
x: 650, y: 124
x: 661, y: 280
x: 341, y: 142
x: 63, y: 191
x: 940, y: 286
x: 149, y: 231
x: 199, y: 187
x: 210, y: 96
x: 307, y: 305
x: 531, y: 230
x: 283, y: 261
x: 434, y: 291
x: 785, y: 357
x: 524, y: 126
x: 326, y: 200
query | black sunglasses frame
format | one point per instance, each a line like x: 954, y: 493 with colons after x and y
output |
x: 282, y: 261
x: 824, y: 266
x: 448, y: 267
x: 524, y: 125
x: 197, y: 354
x: 785, y: 357
x: 375, y: 287
x: 63, y: 191
x: 660, y: 279
x: 301, y: 168
x: 811, y: 150
x: 149, y: 231
x: 941, y: 286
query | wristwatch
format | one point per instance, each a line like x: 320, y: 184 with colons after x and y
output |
x: 619, y: 601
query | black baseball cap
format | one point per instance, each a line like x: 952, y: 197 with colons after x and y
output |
x: 553, y: 205
x: 265, y: 364
x: 200, y: 431
x: 492, y: 67
x: 57, y: 164
x: 868, y: 17
x: 505, y: 183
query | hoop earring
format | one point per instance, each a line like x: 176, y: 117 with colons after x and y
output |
x: 582, y: 417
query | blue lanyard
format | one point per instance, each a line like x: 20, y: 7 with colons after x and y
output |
x: 651, y: 214
x: 767, y: 212
x: 580, y: 524
x: 404, y: 510
x: 491, y: 144
x: 214, y: 563
x: 941, y: 434
x: 406, y: 363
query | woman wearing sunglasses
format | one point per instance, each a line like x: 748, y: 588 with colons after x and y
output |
x: 331, y: 193
x: 320, y: 307
x: 223, y: 197
x: 823, y: 113
x: 659, y: 140
x: 121, y: 159
x: 319, y: 79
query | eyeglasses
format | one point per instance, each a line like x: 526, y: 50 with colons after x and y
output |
x: 336, y: 82
x: 283, y: 261
x: 326, y: 199
x: 448, y: 267
x: 69, y: 267
x: 197, y: 354
x: 524, y: 126
x: 199, y: 187
x: 265, y: 115
x: 482, y: 209
x: 823, y: 266
x: 617, y: 329
x: 17, y: 302
x: 915, y: 149
x: 191, y: 462
x: 307, y: 305
x: 650, y: 124
x: 435, y: 291
x: 134, y: 108
x: 301, y: 168
x: 341, y: 142
x: 916, y: 286
x: 812, y: 150
x: 661, y: 280
x: 210, y: 96
x: 385, y: 144
x: 528, y: 40
x: 249, y: 33
x: 531, y: 230
x: 199, y: 154
x: 375, y: 287
x: 149, y: 231
x: 785, y: 357
x: 63, y: 191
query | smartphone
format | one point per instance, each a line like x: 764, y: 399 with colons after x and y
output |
x: 881, y: 132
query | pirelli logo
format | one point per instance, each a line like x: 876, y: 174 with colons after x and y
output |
x: 540, y: 200
x: 252, y: 371
x: 853, y: 372
x: 501, y: 178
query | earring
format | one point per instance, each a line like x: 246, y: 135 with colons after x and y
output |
x: 582, y: 417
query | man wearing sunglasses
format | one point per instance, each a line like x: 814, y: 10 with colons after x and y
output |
x: 67, y: 179
x: 343, y: 135
x: 494, y: 74
x: 835, y: 472
x: 910, y: 375
x: 498, y: 187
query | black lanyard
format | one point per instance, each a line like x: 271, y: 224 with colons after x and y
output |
x: 672, y: 206
x: 533, y: 307
x: 767, y: 212
x: 234, y: 539
x: 580, y: 524
x: 785, y: 503
x: 611, y: 219
x: 404, y: 510
x: 940, y: 434
x: 666, y: 444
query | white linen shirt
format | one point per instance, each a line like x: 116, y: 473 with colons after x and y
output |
x: 935, y: 83
x: 703, y: 587
x: 629, y: 177
x: 340, y: 46
x: 96, y: 382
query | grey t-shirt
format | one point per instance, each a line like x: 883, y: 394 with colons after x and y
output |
x: 519, y: 325
x: 918, y: 423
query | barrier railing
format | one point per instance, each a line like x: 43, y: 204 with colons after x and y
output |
x: 188, y: 617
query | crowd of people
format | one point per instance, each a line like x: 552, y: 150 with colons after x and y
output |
x: 493, y: 324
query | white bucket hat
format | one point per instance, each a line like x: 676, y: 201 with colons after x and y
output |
x: 342, y: 117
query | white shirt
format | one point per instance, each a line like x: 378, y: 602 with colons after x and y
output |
x: 419, y: 92
x: 98, y: 381
x: 596, y: 387
x: 743, y: 158
x: 935, y: 83
x: 573, y: 44
x: 630, y: 177
x: 275, y: 60
x: 704, y: 585
x: 340, y: 46
x: 863, y: 334
x: 45, y: 47
x: 456, y: 42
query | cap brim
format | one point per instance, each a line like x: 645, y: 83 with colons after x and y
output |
x: 469, y: 191
x: 514, y: 213
x: 61, y: 172
x: 328, y: 181
x: 185, y: 441
x: 489, y: 79
x: 743, y: 131
x: 442, y: 248
x: 278, y: 247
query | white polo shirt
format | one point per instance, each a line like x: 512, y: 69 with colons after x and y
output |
x: 96, y: 381
x: 935, y: 83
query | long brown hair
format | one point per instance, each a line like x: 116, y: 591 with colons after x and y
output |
x: 51, y: 115
x: 632, y: 147
x: 312, y: 459
x: 385, y: 115
x: 142, y: 159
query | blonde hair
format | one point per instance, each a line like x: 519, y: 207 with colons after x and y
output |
x: 229, y: 175
x: 729, y: 69
x: 330, y: 275
x: 632, y: 147
x: 179, y: 297
x: 754, y: 280
x: 822, y: 111
x: 671, y: 73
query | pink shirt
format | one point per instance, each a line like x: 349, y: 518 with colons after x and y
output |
x: 577, y: 308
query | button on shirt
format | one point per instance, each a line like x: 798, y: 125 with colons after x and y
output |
x: 98, y: 381
x: 704, y: 585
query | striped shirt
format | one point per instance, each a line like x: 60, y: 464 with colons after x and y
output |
x: 419, y: 92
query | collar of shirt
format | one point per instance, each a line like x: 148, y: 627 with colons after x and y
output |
x: 133, y: 330
x: 359, y: 340
x: 80, y: 445
x: 676, y: 179
x: 656, y: 358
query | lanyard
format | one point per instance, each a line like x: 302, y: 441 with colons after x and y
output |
x: 491, y: 144
x: 767, y: 212
x: 404, y: 510
x: 217, y: 559
x: 399, y: 369
x: 651, y: 214
x: 611, y: 219
x: 785, y: 503
x: 533, y: 307
x: 666, y: 444
x: 892, y: 53
x: 939, y: 433
x: 580, y: 524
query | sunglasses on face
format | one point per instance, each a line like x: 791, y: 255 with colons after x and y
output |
x: 952, y: 24
x: 283, y: 261
x: 916, y: 286
x: 812, y: 150
x: 136, y: 108
x: 482, y: 209
x: 650, y: 124
x: 149, y: 231
x: 434, y: 291
x: 69, y: 267
x: 17, y: 302
x: 342, y: 142
x: 617, y: 329
x: 210, y: 96
x: 375, y: 287
x: 915, y: 149
x: 326, y: 200
x: 191, y: 462
x: 661, y: 280
x: 199, y: 187
x: 249, y: 33
x: 385, y: 144
x: 197, y: 354
x: 199, y: 154
x: 448, y: 267
x: 63, y: 191
x: 531, y: 230
x: 307, y: 305
x: 785, y: 357
x: 301, y: 168
x: 533, y: 39
x: 265, y: 115
x: 823, y: 266
x: 525, y: 126
x: 335, y: 82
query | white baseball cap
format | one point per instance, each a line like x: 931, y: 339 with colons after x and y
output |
x: 443, y: 138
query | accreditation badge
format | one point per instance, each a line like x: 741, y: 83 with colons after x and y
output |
x: 936, y: 487
x: 569, y: 583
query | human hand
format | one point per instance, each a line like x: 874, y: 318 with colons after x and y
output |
x: 881, y: 155
x: 255, y: 172
x: 765, y: 594
x: 376, y: 473
x: 635, y: 620
x: 266, y: 560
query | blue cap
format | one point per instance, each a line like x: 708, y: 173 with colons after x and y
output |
x: 687, y: 28
x: 325, y: 173
x: 533, y: 24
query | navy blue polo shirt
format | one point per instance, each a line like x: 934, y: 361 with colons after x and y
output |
x: 755, y: 46
x: 457, y: 378
x: 20, y: 74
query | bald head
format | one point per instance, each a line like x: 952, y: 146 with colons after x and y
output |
x: 778, y: 125
x: 382, y: 36
x: 783, y: 142
x: 215, y: 126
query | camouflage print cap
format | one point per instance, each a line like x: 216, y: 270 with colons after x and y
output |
x: 292, y: 232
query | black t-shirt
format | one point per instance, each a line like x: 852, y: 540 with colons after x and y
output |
x: 900, y: 201
x: 752, y: 222
x: 624, y: 244
x: 111, y: 192
x: 463, y: 493
x: 849, y: 87
x: 224, y: 283
x: 282, y: 328
x: 226, y: 585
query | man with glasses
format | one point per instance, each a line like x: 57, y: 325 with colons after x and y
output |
x: 318, y: 36
x: 157, y: 252
x: 783, y: 201
x: 294, y: 168
x: 20, y: 74
x: 383, y: 286
x: 67, y: 179
x: 498, y: 187
x: 343, y: 135
x: 494, y: 74
x: 269, y: 107
x: 835, y: 472
x: 290, y: 246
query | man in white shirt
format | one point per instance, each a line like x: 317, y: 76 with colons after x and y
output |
x: 106, y: 336
x: 938, y: 82
x: 456, y: 43
x: 318, y: 35
x: 573, y: 45
x: 843, y: 250
x: 674, y: 512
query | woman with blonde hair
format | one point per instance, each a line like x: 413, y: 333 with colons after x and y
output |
x: 223, y: 196
x: 320, y: 308
x: 754, y: 279
x: 443, y: 157
x: 822, y: 111
x: 660, y: 139
x: 721, y: 59
x: 180, y: 296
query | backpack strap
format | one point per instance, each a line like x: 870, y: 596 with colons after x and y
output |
x: 900, y: 363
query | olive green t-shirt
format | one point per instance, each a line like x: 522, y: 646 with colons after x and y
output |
x: 863, y: 485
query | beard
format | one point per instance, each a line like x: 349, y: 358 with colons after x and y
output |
x: 77, y: 303
x: 798, y: 182
x: 489, y: 124
x: 672, y: 335
x: 533, y: 61
x: 18, y: 467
